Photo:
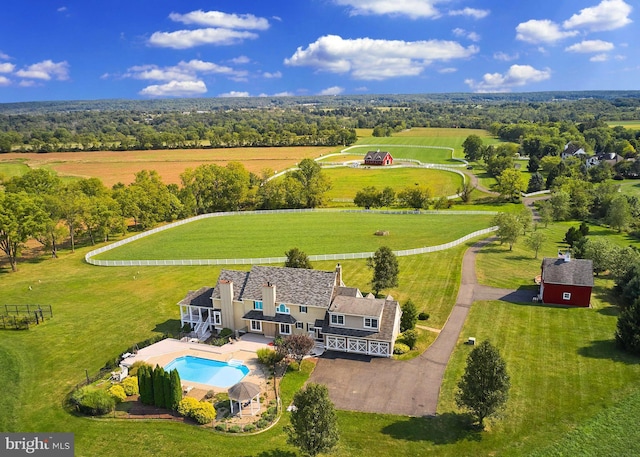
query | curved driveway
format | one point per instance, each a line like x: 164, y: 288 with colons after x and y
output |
x: 409, y: 388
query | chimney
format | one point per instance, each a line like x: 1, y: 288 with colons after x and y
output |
x: 226, y: 303
x: 269, y: 299
x: 339, y: 276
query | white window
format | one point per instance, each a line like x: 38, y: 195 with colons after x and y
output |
x: 310, y: 326
x: 566, y: 295
x: 300, y: 325
x: 256, y: 326
x: 282, y: 309
x: 337, y: 319
x: 285, y: 329
x: 370, y: 322
x: 303, y: 309
x: 257, y: 304
x: 217, y: 318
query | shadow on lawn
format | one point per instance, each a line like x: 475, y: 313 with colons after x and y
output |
x: 170, y: 326
x: 277, y: 453
x: 443, y: 429
x: 607, y: 349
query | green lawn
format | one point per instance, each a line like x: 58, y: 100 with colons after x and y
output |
x: 11, y: 169
x: 346, y: 182
x: 404, y: 148
x: 270, y: 235
x: 499, y: 267
x: 635, y: 125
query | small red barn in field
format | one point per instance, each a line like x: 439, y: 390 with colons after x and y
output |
x: 378, y: 158
x: 566, y: 281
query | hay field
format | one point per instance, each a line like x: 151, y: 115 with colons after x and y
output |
x: 112, y: 167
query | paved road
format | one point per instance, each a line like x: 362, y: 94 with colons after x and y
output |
x: 411, y: 388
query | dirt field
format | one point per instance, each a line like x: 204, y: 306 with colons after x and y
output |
x: 112, y: 167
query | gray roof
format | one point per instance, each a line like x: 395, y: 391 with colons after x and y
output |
x: 385, y: 333
x: 349, y: 291
x: 576, y: 272
x: 257, y: 315
x: 376, y: 156
x: 357, y: 306
x: 200, y: 297
x: 293, y: 285
x: 239, y: 279
x: 243, y: 391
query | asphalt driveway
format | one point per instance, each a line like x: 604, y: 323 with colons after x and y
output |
x: 408, y: 388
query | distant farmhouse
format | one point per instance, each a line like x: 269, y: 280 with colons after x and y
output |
x: 277, y: 301
x: 571, y: 150
x: 378, y: 158
x: 566, y: 281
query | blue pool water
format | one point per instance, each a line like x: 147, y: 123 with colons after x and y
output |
x: 204, y: 371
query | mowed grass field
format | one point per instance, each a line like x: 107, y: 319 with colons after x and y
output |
x: 564, y: 367
x: 346, y: 182
x: 113, y: 167
x: 10, y: 169
x: 635, y: 125
x: 324, y: 232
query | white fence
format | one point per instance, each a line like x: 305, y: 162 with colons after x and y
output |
x: 270, y: 260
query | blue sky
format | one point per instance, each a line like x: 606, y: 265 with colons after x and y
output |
x: 87, y: 49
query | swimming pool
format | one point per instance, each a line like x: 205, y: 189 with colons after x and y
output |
x: 205, y: 371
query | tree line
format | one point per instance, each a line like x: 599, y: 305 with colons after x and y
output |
x: 114, y: 125
x: 39, y: 205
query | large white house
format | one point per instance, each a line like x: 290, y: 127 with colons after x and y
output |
x: 282, y: 301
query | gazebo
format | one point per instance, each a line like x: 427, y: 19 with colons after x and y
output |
x: 242, y: 393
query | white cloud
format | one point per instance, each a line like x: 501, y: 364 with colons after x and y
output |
x: 361, y: 89
x: 589, y: 46
x: 62, y: 9
x: 183, y: 71
x: 369, y: 59
x: 184, y: 39
x: 608, y: 15
x: 411, y: 8
x: 274, y: 75
x: 473, y: 36
x: 234, y: 93
x: 240, y: 60
x: 599, y: 58
x: 6, y: 67
x: 4, y: 81
x: 175, y: 89
x: 471, y: 12
x: 284, y: 94
x: 335, y: 90
x: 28, y: 83
x: 516, y: 76
x: 223, y: 20
x: 4, y: 56
x: 46, y: 70
x: 541, y: 31
x: 447, y: 70
x: 503, y: 56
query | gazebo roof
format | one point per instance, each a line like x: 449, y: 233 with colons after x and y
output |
x: 244, y: 391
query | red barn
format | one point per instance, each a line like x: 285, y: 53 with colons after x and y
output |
x: 566, y: 281
x: 378, y: 158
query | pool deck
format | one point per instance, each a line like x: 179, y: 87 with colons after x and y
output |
x: 244, y: 349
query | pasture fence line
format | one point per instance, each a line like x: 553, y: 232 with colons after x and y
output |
x: 270, y: 260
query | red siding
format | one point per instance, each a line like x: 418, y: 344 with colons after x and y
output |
x: 580, y: 295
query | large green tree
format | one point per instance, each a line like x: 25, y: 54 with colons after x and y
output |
x: 510, y: 183
x: 409, y: 317
x: 314, y: 424
x: 628, y: 328
x: 484, y: 386
x: 385, y: 269
x: 21, y: 217
x: 314, y: 183
x: 472, y: 147
x: 508, y: 228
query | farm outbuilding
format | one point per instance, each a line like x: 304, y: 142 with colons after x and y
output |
x: 378, y: 158
x: 566, y: 281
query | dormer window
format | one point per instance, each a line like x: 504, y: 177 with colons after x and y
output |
x: 337, y: 319
x: 370, y: 322
x: 282, y: 309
